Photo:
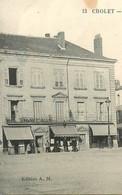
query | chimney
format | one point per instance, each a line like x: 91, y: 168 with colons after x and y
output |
x: 117, y: 84
x: 47, y: 35
x: 98, y: 46
x: 61, y: 40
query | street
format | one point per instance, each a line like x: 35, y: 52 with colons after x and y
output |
x: 95, y: 171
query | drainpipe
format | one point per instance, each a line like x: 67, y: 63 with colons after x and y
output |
x: 68, y: 86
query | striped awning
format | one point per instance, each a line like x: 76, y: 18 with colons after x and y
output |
x: 18, y: 133
x: 102, y: 130
x: 67, y: 131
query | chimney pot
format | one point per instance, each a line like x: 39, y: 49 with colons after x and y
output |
x: 47, y: 35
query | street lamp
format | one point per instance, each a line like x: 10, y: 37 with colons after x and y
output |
x: 109, y: 137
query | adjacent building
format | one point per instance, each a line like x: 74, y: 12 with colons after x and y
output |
x: 119, y: 111
x: 49, y: 83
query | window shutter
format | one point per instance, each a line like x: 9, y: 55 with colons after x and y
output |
x: 39, y: 79
x: 102, y: 82
x: 77, y: 80
x: 6, y: 76
x: 19, y: 77
x: 96, y: 80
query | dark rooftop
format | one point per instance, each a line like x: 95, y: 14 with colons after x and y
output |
x: 46, y: 46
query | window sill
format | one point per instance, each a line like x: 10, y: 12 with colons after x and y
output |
x: 14, y: 86
x: 80, y: 88
x: 59, y: 87
x: 38, y: 87
x: 96, y: 89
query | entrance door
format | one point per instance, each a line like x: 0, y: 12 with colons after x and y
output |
x: 59, y: 111
x: 81, y: 111
x: 82, y: 142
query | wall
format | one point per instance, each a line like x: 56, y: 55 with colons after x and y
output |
x: 27, y: 94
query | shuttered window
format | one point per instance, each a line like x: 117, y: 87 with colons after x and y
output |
x: 37, y: 78
x: 37, y: 106
x: 58, y: 78
x: 13, y: 76
x: 99, y: 80
x: 59, y: 110
x: 80, y: 80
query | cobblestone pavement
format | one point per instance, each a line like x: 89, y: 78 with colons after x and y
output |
x: 96, y: 171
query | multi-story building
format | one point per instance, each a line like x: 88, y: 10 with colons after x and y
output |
x: 119, y: 111
x: 47, y: 81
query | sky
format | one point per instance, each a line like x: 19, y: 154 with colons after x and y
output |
x: 37, y: 17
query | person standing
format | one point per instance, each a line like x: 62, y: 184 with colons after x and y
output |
x: 47, y: 144
x: 65, y: 145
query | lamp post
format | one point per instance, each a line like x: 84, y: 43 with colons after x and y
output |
x: 109, y: 137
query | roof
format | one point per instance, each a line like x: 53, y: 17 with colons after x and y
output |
x: 45, y: 46
x: 18, y: 133
x: 67, y: 131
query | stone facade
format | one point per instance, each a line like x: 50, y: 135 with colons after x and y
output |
x: 51, y: 88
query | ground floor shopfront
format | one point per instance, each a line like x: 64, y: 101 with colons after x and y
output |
x: 119, y: 129
x: 18, y: 139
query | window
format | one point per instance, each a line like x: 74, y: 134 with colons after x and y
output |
x: 81, y: 111
x: 58, y: 79
x: 37, y: 106
x: 59, y: 110
x: 99, y: 80
x: 101, y: 111
x: 14, y: 110
x: 12, y: 76
x: 79, y: 80
x: 36, y: 78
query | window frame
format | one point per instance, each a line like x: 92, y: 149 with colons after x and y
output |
x: 59, y: 81
x: 99, y: 79
x: 80, y: 82
x: 36, y: 72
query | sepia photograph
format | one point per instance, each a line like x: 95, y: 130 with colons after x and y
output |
x: 60, y: 97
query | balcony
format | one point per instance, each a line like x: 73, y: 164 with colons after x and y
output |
x: 88, y: 118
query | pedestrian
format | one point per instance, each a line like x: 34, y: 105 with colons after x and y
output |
x: 28, y: 148
x: 40, y: 145
x: 65, y: 145
x: 74, y: 144
x: 47, y: 145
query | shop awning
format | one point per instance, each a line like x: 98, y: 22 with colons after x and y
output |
x: 102, y: 130
x: 67, y: 131
x: 18, y: 133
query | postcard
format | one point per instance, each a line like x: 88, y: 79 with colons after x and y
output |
x: 60, y: 97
